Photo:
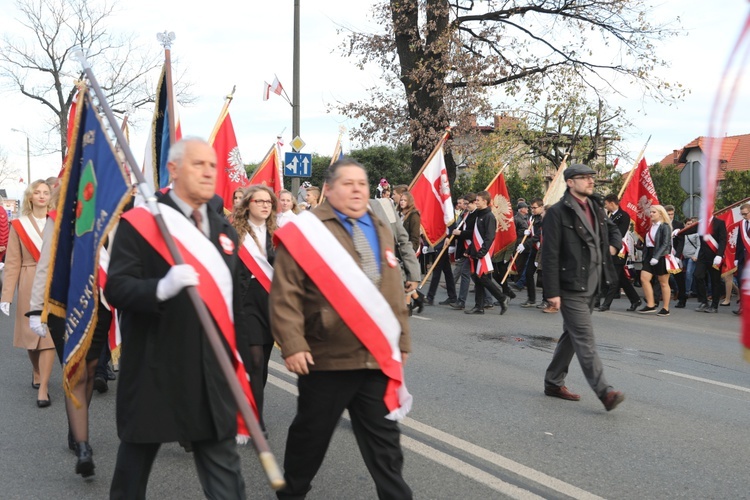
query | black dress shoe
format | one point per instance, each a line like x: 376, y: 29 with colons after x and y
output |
x: 602, y: 308
x: 33, y: 385
x: 635, y: 305
x: 447, y: 302
x: 458, y: 305
x: 701, y: 307
x: 475, y: 310
x: 504, y: 305
x: 85, y: 463
x: 44, y: 403
x: 680, y: 305
x: 100, y: 384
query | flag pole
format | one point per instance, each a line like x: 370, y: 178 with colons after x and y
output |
x: 166, y: 39
x: 556, y: 177
x: 429, y: 158
x: 632, y: 170
x: 718, y: 212
x: 336, y: 152
x: 224, y: 110
x: 515, y: 255
x: 267, y: 460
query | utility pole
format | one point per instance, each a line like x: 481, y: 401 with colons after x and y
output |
x: 295, y: 93
x: 28, y: 155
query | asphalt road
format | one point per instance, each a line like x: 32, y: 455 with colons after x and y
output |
x: 481, y: 426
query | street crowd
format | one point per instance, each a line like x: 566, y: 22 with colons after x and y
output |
x: 330, y: 275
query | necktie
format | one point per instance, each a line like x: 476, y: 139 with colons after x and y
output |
x: 366, y: 256
x: 747, y: 227
x: 197, y: 218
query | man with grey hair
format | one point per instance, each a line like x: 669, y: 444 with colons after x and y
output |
x: 338, y: 312
x: 171, y: 388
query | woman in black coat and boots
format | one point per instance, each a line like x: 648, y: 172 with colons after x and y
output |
x: 254, y: 219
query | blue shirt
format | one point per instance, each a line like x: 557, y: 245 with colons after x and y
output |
x: 367, y: 226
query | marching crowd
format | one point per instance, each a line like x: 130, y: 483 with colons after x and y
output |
x: 332, y: 282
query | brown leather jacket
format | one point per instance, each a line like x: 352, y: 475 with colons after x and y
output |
x: 303, y: 320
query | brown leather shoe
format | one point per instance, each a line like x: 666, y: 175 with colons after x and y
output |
x: 550, y: 310
x: 612, y: 399
x: 562, y: 393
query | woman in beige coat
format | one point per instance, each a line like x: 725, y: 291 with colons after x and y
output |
x: 20, y: 266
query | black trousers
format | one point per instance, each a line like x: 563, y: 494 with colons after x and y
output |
x: 482, y: 283
x: 530, y: 272
x: 703, y: 270
x: 623, y: 282
x: 443, y: 266
x: 323, y: 396
x: 217, y: 463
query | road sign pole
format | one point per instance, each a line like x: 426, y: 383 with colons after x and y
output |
x: 295, y: 93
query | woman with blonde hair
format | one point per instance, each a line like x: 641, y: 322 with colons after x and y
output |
x: 24, y: 247
x: 658, y: 246
x: 287, y: 208
x: 254, y: 219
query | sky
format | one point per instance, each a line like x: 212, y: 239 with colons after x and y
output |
x: 228, y: 43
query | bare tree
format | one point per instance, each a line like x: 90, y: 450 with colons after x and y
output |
x: 441, y: 59
x: 39, y: 65
x: 6, y: 171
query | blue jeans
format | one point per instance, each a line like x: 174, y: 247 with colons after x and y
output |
x: 689, y: 268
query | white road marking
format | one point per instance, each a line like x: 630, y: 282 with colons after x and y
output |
x: 706, y: 380
x: 460, y: 466
x: 421, y: 317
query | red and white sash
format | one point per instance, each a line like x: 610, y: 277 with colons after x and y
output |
x: 483, y: 265
x: 216, y: 285
x: 354, y: 297
x: 256, y: 262
x: 29, y: 236
x: 114, y: 337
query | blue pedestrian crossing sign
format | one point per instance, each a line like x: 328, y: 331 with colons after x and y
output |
x: 297, y: 165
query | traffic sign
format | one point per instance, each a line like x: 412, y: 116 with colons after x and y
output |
x: 690, y: 177
x: 692, y: 206
x: 297, y: 165
x: 297, y: 144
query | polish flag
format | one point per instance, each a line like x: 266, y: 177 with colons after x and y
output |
x: 432, y: 196
x: 502, y: 209
x: 274, y: 87
x: 230, y: 171
x: 638, y: 198
x: 270, y: 172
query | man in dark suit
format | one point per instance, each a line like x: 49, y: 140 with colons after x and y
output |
x: 710, y: 257
x: 170, y: 385
x: 743, y: 245
x: 678, y: 243
x: 578, y: 240
x: 621, y: 219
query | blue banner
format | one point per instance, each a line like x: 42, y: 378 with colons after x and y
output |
x: 93, y: 191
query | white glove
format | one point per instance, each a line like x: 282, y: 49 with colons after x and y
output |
x: 520, y: 249
x: 425, y: 249
x: 735, y: 263
x: 5, y: 308
x: 35, y: 322
x: 674, y: 233
x: 451, y: 250
x: 176, y: 279
x: 717, y: 262
x: 527, y: 232
x: 536, y: 264
x: 653, y: 262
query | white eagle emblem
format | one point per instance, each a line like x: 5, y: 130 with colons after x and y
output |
x: 644, y: 208
x: 236, y: 169
x: 503, y: 212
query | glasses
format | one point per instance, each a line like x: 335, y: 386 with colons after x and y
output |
x: 744, y: 214
x: 589, y: 177
x: 262, y: 202
x: 534, y: 208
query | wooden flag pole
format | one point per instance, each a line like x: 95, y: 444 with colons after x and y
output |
x: 718, y: 212
x: 224, y: 110
x: 515, y: 256
x: 267, y: 460
x: 429, y: 158
x: 446, y: 244
x: 632, y: 170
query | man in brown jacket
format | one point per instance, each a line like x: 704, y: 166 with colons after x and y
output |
x: 336, y: 369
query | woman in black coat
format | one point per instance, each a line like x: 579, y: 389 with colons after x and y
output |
x: 658, y: 246
x: 254, y: 219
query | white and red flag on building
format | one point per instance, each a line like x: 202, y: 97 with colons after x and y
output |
x: 432, y: 195
x: 230, y: 171
x: 638, y: 197
x: 270, y: 172
x: 502, y: 209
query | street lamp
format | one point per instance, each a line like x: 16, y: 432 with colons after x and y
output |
x: 28, y: 155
